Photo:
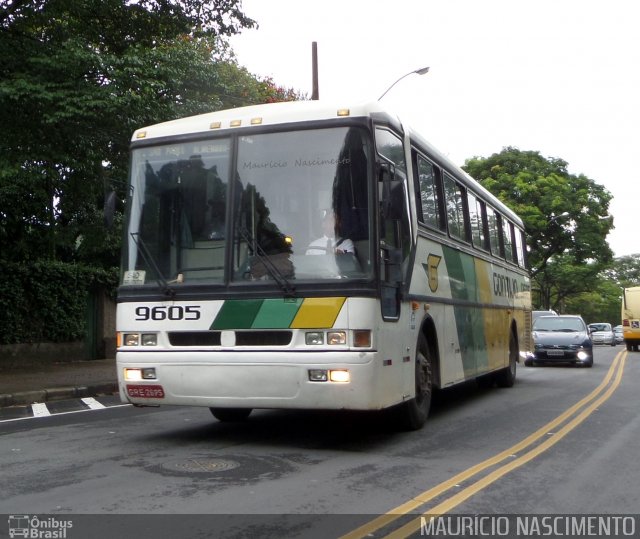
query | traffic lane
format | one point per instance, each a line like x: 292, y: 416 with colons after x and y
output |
x: 592, y: 470
x: 176, y: 459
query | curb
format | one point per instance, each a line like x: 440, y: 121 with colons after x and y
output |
x: 57, y: 393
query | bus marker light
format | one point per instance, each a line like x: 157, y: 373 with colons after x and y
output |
x: 336, y: 337
x: 318, y: 375
x: 314, y: 338
x: 215, y: 125
x: 141, y: 134
x: 256, y: 121
x: 344, y: 112
x: 235, y: 123
x: 362, y: 338
x: 339, y: 376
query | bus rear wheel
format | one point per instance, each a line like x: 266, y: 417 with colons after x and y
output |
x: 507, y: 376
x: 227, y: 415
x: 413, y: 413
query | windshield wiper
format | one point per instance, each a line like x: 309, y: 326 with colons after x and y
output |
x: 273, y: 270
x: 150, y: 261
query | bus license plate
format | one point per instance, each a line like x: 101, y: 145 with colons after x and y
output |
x: 145, y: 391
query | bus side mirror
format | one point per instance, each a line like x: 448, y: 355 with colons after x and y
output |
x: 390, y: 192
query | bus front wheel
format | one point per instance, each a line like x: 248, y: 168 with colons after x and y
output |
x: 414, y: 413
x: 230, y: 414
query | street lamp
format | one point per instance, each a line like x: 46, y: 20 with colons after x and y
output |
x: 420, y: 71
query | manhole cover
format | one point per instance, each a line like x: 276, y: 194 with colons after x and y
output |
x: 202, y: 465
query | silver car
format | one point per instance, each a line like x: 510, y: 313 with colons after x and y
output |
x: 617, y: 333
x: 602, y: 333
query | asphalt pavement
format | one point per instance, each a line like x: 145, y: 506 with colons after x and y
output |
x: 59, y: 380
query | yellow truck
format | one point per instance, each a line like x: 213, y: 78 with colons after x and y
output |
x: 631, y: 317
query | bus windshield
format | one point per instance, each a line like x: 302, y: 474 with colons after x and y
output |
x: 293, y: 205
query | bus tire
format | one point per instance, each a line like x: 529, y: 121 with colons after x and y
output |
x: 507, y: 376
x: 233, y: 415
x: 413, y: 413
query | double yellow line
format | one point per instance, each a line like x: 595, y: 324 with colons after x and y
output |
x: 567, y: 421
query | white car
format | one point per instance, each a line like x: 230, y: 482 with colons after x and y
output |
x: 601, y: 333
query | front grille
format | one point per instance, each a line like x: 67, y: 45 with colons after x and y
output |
x: 194, y: 338
x: 263, y: 338
x: 243, y: 338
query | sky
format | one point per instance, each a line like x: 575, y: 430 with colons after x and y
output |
x: 561, y: 77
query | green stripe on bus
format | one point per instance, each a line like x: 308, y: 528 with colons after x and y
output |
x: 276, y: 313
x: 469, y: 320
x: 237, y: 314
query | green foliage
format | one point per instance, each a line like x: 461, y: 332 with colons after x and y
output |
x: 46, y: 301
x: 78, y: 77
x: 566, y: 219
x: 625, y: 272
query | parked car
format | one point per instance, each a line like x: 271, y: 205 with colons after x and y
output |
x: 563, y: 338
x: 602, y: 333
x: 617, y: 333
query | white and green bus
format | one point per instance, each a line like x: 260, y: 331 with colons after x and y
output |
x: 236, y: 294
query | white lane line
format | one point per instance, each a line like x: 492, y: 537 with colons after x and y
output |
x: 93, y: 403
x: 61, y: 413
x: 40, y: 409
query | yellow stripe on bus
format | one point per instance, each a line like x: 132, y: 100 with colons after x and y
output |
x: 317, y: 313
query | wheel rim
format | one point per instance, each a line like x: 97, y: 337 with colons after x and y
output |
x: 423, y: 379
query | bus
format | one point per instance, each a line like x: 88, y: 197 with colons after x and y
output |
x: 631, y: 317
x: 225, y: 303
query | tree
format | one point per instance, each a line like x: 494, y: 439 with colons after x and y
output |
x: 625, y: 271
x: 77, y: 78
x: 566, y: 219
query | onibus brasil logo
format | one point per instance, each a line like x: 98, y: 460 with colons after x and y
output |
x: 38, y: 528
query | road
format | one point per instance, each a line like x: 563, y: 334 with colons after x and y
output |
x: 563, y: 440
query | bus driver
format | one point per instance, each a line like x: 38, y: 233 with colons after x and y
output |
x: 330, y: 242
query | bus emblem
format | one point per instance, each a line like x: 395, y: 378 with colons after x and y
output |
x: 433, y: 261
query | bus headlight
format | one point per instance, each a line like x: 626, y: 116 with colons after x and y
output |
x: 149, y: 339
x: 137, y: 339
x: 131, y: 339
x: 340, y: 376
x: 136, y: 375
x: 314, y: 338
x: 336, y: 337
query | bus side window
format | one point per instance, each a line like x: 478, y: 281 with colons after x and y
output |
x: 494, y: 234
x: 507, y: 237
x: 455, y: 208
x: 429, y: 211
x: 520, y: 248
x: 476, y: 219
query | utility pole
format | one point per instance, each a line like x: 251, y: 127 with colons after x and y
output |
x: 315, y: 94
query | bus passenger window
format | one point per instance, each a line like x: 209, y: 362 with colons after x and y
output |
x: 429, y: 196
x: 475, y: 218
x: 494, y: 235
x: 520, y: 250
x: 455, y: 208
x: 507, y: 236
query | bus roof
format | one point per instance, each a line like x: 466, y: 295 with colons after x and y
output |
x: 266, y: 114
x: 308, y: 111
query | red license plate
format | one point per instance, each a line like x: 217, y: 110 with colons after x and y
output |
x: 145, y: 391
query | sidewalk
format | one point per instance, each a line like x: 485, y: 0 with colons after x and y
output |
x: 42, y: 383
